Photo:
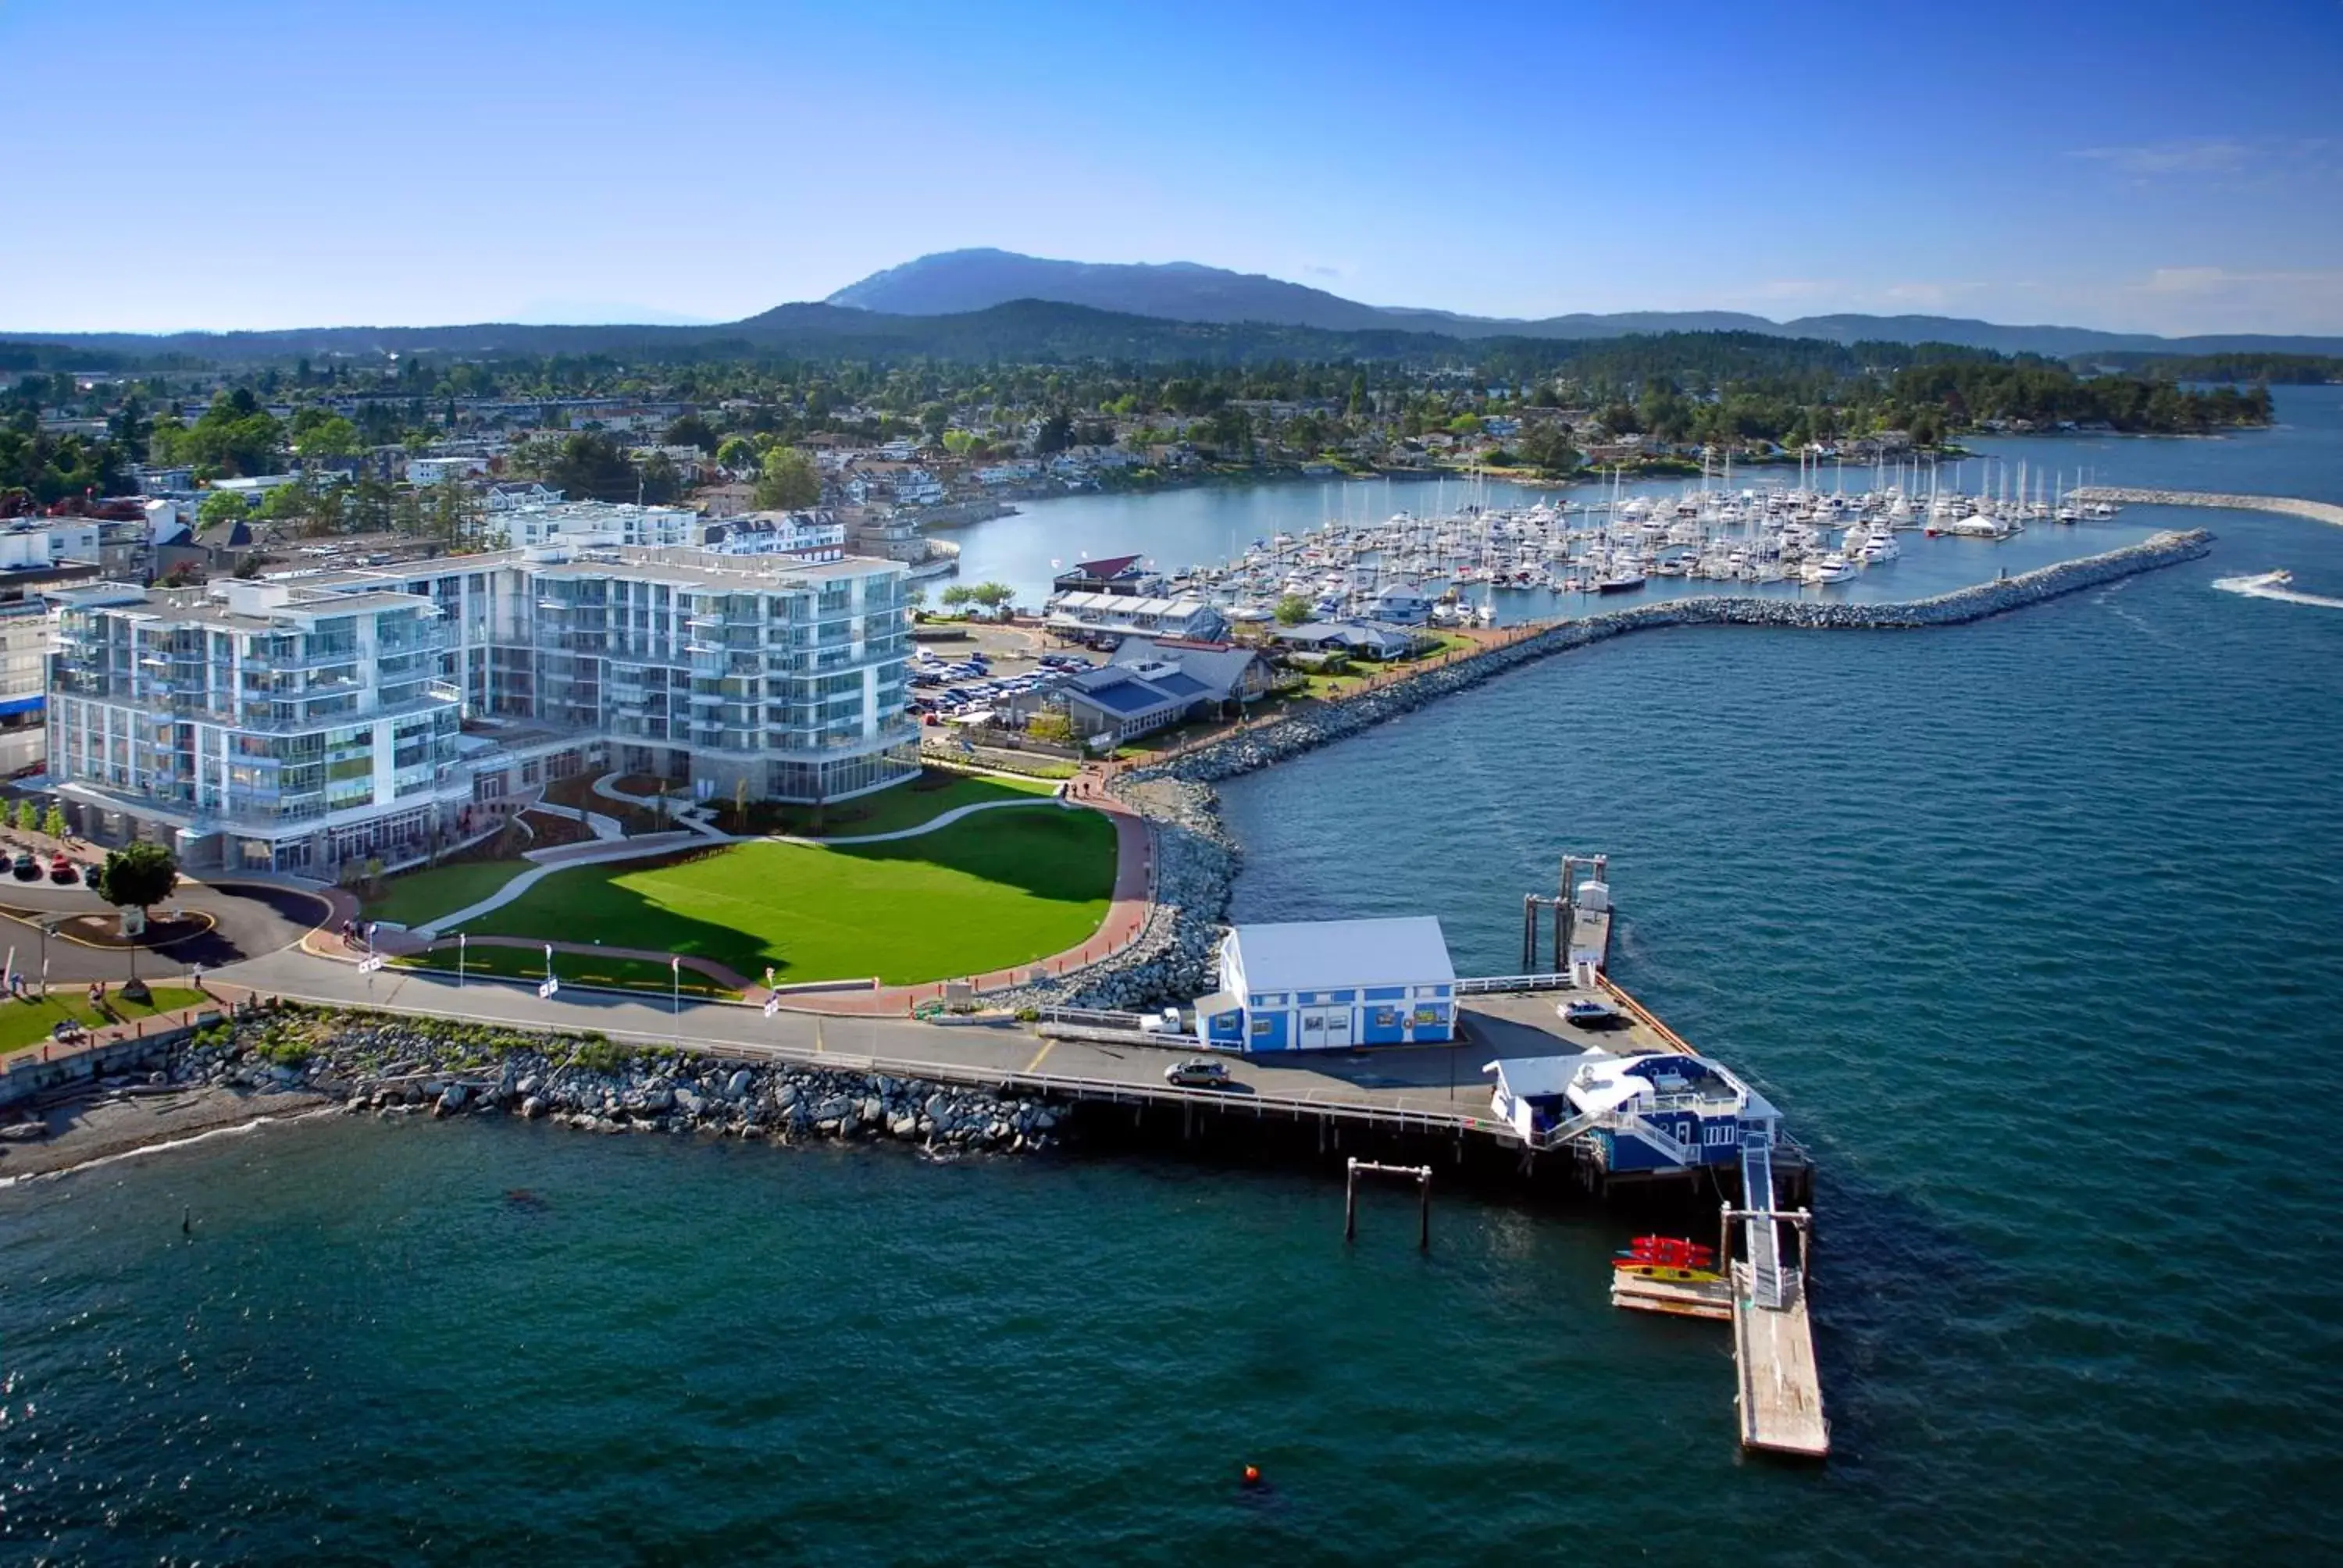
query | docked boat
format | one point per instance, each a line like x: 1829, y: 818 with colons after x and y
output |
x: 1833, y: 568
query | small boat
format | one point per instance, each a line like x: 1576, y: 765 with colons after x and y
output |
x: 1662, y: 1272
x: 1620, y: 583
x: 1664, y: 1252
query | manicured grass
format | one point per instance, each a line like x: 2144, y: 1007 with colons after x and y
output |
x: 418, y: 898
x: 574, y: 968
x: 29, y: 1022
x: 999, y: 889
x: 889, y: 810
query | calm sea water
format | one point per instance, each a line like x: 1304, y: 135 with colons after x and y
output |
x: 1180, y: 528
x: 2032, y: 927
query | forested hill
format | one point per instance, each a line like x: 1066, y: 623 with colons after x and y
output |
x: 1027, y: 331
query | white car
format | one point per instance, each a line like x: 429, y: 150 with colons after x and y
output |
x: 1165, y: 1023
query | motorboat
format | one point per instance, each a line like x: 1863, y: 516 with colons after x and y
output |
x: 1833, y: 568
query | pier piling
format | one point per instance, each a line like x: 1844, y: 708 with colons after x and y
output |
x: 1420, y: 1174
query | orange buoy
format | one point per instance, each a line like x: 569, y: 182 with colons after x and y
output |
x: 1252, y: 1475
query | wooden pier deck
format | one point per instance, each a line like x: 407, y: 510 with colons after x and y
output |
x: 1781, y: 1397
x: 1672, y: 1298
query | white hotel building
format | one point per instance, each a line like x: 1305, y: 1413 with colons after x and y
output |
x: 295, y: 724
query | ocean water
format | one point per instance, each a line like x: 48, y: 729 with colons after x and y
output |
x: 2034, y: 928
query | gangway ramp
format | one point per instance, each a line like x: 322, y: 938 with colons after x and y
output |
x: 1781, y: 1395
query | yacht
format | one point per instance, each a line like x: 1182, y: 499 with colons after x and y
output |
x: 1833, y: 568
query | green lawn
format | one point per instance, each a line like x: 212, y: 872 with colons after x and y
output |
x: 999, y: 889
x: 888, y: 810
x: 28, y: 1022
x: 574, y: 968
x: 418, y: 898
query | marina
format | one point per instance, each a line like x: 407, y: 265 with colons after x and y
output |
x: 1491, y: 559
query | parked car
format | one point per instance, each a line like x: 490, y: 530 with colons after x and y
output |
x: 26, y: 867
x: 1167, y: 1021
x: 1198, y: 1072
x: 63, y: 870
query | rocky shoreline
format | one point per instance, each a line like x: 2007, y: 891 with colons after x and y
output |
x: 287, y: 1059
x: 1196, y: 859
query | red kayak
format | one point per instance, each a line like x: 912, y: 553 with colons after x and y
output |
x: 1664, y: 1252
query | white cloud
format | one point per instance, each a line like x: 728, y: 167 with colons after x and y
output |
x: 2185, y: 156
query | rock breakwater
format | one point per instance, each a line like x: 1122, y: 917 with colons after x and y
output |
x: 401, y: 1067
x: 1197, y: 859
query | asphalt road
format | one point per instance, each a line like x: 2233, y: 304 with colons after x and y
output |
x: 1444, y: 1083
x: 249, y: 922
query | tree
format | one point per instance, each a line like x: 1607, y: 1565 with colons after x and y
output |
x: 1056, y: 433
x: 222, y: 506
x: 691, y: 430
x: 1052, y: 726
x: 737, y: 453
x: 787, y: 482
x: 994, y: 596
x: 28, y: 817
x: 1292, y: 609
x: 53, y: 821
x: 958, y: 595
x: 317, y: 434
x: 137, y: 876
x: 590, y: 465
x: 1547, y: 448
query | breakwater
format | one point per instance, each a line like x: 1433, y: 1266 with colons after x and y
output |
x: 2290, y: 506
x: 1197, y: 859
x: 420, y: 1067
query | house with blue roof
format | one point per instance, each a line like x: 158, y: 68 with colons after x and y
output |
x: 1151, y: 685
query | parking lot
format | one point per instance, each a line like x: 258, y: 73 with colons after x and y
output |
x: 985, y: 671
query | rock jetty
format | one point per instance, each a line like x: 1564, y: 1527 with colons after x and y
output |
x: 394, y: 1067
x: 1196, y: 859
x: 2292, y: 506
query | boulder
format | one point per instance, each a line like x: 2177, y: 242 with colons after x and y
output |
x: 738, y: 1086
x: 532, y: 1108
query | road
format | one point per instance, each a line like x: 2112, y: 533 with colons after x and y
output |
x: 249, y: 920
x: 1439, y: 1082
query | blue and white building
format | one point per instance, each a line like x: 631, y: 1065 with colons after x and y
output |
x: 1653, y: 1111
x: 1330, y: 985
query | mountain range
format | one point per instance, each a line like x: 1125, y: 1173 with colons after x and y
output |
x: 954, y: 282
x: 996, y: 304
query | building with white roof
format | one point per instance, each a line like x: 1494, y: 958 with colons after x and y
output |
x: 295, y: 724
x: 1330, y: 985
x: 1087, y: 616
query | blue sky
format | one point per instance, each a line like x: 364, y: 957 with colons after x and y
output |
x: 246, y: 163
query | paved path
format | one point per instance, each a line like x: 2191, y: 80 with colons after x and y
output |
x: 1444, y: 1082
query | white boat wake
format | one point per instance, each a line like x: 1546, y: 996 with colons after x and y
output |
x: 2275, y: 585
